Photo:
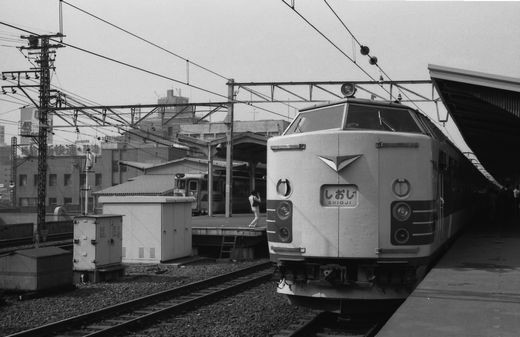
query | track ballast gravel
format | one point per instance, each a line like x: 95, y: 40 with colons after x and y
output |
x: 259, y: 311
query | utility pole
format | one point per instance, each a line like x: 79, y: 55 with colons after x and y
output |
x: 229, y: 149
x: 42, y: 56
x: 12, y: 183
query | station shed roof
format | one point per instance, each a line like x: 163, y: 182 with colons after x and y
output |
x: 486, y: 109
x: 149, y: 185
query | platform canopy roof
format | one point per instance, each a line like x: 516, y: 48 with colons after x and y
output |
x: 247, y: 146
x: 486, y: 109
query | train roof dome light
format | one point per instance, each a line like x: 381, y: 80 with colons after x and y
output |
x: 348, y: 89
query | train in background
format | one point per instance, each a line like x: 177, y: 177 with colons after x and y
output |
x: 362, y: 196
x: 196, y: 185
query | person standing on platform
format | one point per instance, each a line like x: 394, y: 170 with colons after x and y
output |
x: 254, y: 201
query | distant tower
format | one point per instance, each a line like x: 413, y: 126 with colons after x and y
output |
x: 181, y: 114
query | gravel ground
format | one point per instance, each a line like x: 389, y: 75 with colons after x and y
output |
x: 258, y: 312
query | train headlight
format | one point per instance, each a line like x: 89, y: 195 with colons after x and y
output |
x: 401, y: 235
x: 284, y: 210
x: 401, y: 211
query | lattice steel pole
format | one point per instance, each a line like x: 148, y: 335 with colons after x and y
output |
x: 45, y: 83
x: 229, y: 150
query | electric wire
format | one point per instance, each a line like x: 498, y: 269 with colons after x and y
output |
x: 377, y: 65
x: 329, y: 40
x: 383, y: 72
x: 146, y: 41
x: 347, y: 56
x: 157, y: 46
x: 142, y: 69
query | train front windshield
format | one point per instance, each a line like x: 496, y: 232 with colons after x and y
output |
x: 358, y: 116
x: 380, y: 118
x: 319, y: 119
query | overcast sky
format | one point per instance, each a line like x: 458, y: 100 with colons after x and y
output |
x: 251, y: 40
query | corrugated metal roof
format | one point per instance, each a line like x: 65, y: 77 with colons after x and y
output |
x: 142, y: 185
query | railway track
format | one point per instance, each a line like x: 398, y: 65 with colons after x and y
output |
x: 26, y: 241
x: 322, y: 324
x: 139, y: 312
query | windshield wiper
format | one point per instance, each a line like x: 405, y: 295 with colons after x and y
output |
x: 384, y: 122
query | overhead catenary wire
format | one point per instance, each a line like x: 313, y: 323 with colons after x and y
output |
x: 147, y: 41
x: 188, y: 61
x: 376, y: 64
x: 145, y: 70
x: 328, y: 39
x: 355, y: 63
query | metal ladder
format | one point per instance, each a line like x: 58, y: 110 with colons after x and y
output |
x: 227, y: 245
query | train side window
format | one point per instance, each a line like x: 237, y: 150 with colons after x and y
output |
x: 326, y: 118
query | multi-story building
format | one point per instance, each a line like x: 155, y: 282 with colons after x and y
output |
x: 66, y: 176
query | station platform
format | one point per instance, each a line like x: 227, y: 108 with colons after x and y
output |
x: 230, y: 237
x: 474, y: 290
x: 219, y: 225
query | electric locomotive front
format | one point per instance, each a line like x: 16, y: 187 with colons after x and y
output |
x: 350, y: 201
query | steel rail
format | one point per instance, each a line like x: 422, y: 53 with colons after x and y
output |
x: 323, y: 322
x: 151, y: 306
